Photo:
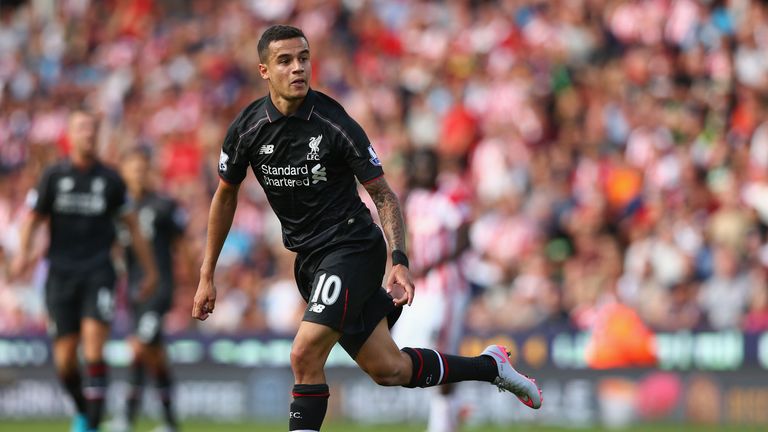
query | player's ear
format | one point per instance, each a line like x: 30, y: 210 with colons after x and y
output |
x: 263, y: 71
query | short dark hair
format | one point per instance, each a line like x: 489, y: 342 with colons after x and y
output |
x: 139, y: 151
x: 277, y: 32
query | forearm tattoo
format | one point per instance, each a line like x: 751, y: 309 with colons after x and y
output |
x: 389, y: 212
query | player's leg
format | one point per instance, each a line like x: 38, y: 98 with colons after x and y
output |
x: 311, y: 346
x: 98, y: 308
x: 125, y: 421
x: 421, y: 325
x: 156, y: 360
x: 67, y: 369
x: 445, y: 409
x: 94, y: 334
x: 62, y: 303
x: 325, y: 280
x: 136, y: 378
x: 420, y: 367
x: 150, y: 357
x: 429, y: 322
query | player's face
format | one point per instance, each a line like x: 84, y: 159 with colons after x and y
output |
x: 82, y: 134
x: 136, y: 172
x: 424, y: 172
x: 288, y: 68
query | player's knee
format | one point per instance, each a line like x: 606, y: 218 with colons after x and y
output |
x: 304, y: 360
x: 387, y: 372
x: 65, y: 357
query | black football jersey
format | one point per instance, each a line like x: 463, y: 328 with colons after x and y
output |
x: 307, y: 164
x: 82, y: 205
x: 161, y: 221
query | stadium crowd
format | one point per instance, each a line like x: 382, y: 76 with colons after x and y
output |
x: 615, y: 150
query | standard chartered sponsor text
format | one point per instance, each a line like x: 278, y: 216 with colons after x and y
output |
x: 285, y: 182
x: 270, y: 172
x: 80, y: 203
x: 286, y: 170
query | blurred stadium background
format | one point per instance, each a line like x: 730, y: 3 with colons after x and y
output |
x: 617, y: 154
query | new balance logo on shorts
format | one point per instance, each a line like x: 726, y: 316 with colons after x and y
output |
x: 317, y: 308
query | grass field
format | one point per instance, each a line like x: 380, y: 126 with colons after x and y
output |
x: 62, y: 426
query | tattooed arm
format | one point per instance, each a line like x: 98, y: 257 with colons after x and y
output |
x: 389, y: 212
x: 391, y: 217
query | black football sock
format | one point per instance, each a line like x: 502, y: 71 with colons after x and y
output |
x: 94, y: 391
x: 431, y: 368
x: 73, y: 384
x: 310, y: 402
x: 136, y: 381
x: 165, y: 392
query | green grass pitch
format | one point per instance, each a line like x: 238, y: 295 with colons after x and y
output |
x: 193, y: 426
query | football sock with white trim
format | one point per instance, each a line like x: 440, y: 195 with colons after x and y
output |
x: 431, y: 368
x: 95, y: 391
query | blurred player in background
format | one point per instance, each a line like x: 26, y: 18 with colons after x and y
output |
x: 163, y: 222
x: 437, y: 215
x: 306, y: 153
x: 81, y: 198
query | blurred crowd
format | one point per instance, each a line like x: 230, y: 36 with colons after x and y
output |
x: 616, y: 150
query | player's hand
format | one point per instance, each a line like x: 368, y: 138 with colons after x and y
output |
x: 147, y: 287
x: 205, y: 299
x: 400, y: 285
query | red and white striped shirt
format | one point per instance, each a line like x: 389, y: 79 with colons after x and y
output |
x: 433, y: 218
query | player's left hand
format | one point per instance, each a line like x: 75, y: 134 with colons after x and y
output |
x: 205, y: 299
x: 400, y: 285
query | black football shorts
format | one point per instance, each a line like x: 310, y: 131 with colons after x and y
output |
x: 71, y: 295
x: 341, y: 284
x: 148, y: 315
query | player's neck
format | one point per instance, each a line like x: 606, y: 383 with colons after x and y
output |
x: 82, y: 162
x: 137, y: 193
x: 285, y: 106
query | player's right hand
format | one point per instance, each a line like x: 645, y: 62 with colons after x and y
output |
x: 205, y: 299
x: 400, y: 285
x: 148, y: 285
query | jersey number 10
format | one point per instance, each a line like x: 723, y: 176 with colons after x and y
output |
x: 327, y: 289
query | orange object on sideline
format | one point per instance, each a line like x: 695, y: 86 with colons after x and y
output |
x: 620, y: 339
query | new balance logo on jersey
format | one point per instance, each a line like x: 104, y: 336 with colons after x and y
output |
x: 318, y: 174
x: 317, y: 308
x: 314, y: 147
x: 267, y: 149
